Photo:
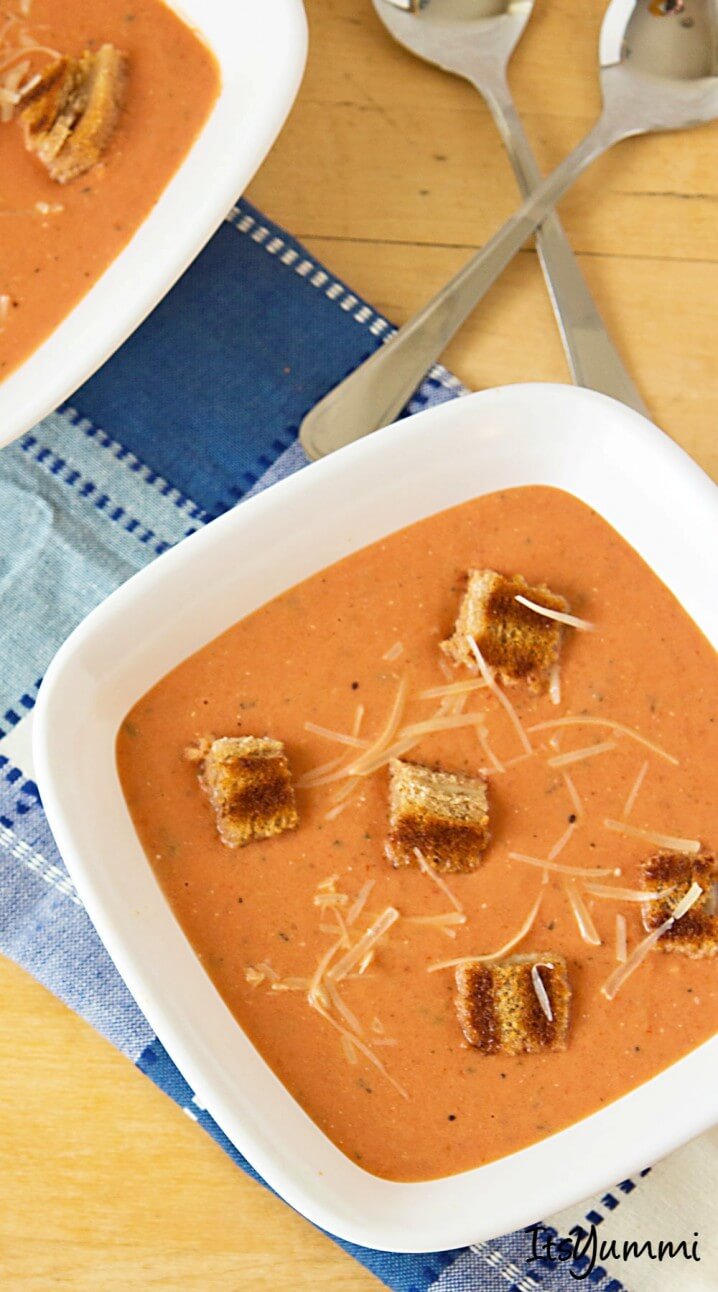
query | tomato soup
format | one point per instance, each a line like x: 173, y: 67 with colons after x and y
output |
x: 57, y: 239
x: 411, y: 1100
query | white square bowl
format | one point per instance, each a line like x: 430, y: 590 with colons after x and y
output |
x: 260, y: 46
x: 600, y: 451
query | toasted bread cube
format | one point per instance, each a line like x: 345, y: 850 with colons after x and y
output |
x: 248, y: 783
x: 518, y: 644
x: 71, y: 114
x: 695, y: 934
x: 503, y: 1009
x: 443, y: 816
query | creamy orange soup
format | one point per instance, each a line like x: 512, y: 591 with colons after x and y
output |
x: 56, y: 239
x: 313, y: 655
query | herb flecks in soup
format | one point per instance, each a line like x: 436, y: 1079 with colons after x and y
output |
x: 98, y: 106
x: 431, y: 1017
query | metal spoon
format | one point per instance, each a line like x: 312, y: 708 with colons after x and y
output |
x: 658, y: 61
x: 475, y: 39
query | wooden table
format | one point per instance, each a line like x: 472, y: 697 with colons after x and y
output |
x: 391, y: 173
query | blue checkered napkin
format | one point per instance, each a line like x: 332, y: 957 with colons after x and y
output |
x: 199, y: 408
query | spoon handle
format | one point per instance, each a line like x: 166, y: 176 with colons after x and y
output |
x: 593, y: 359
x: 376, y: 392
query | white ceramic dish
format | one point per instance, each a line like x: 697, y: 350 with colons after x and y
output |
x: 595, y: 448
x: 260, y: 46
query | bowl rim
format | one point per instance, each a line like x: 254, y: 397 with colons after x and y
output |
x: 218, y: 166
x: 583, y: 434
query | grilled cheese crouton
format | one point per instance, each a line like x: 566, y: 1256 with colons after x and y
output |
x: 695, y: 934
x: 71, y: 114
x: 248, y: 783
x: 518, y: 644
x: 515, y: 1006
x: 443, y: 816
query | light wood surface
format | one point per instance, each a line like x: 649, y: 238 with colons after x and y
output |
x: 391, y: 173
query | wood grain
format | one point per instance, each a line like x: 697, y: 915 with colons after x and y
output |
x: 392, y: 174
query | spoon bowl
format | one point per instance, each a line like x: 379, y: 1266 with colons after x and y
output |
x: 659, y: 63
x: 472, y: 38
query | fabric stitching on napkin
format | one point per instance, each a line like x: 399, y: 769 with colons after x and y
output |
x: 59, y: 467
x: 35, y: 861
x: 27, y: 701
x: 133, y: 463
x: 21, y: 785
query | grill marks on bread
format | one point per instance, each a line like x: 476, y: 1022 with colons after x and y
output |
x: 499, y: 1008
x: 444, y: 816
x: 70, y: 116
x: 695, y: 934
x: 249, y: 785
x: 518, y: 644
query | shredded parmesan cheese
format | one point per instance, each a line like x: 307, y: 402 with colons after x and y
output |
x: 390, y: 728
x: 350, y: 1053
x: 654, y: 836
x: 394, y: 652
x: 554, y: 686
x: 559, y: 846
x: 324, y: 898
x: 366, y: 943
x: 453, y: 688
x: 631, y: 800
x: 336, y: 811
x: 320, y: 775
x: 579, y: 755
x: 440, y: 883
x: 584, y: 919
x: 691, y: 897
x: 346, y: 940
x: 571, y: 620
x: 437, y: 921
x: 343, y: 1009
x: 511, y: 762
x: 604, y: 722
x: 446, y: 723
x: 579, y: 872
x: 628, y: 894
x: 317, y: 990
x: 360, y: 902
x: 573, y: 794
x: 541, y: 993
x: 358, y: 719
x: 496, y: 763
x: 500, y: 696
x: 502, y: 951
x: 290, y: 984
x: 616, y: 979
x: 359, y: 1045
x: 340, y: 736
x: 621, y: 940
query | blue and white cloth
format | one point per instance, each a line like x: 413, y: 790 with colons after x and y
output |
x: 200, y: 408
